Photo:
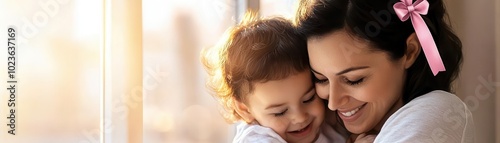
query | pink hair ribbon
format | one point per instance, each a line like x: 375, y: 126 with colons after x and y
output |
x: 405, y: 9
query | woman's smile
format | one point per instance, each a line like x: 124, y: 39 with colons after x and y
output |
x: 351, y: 112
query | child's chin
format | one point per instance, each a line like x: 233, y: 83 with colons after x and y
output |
x: 313, y: 135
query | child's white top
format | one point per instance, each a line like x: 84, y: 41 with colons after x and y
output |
x: 436, y: 117
x: 253, y: 133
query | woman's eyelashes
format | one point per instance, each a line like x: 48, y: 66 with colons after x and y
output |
x: 349, y: 82
x: 354, y: 82
x: 319, y: 81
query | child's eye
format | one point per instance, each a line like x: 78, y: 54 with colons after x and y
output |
x: 310, y: 99
x: 356, y: 82
x: 280, y: 114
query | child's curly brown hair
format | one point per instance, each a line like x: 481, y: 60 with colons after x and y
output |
x: 253, y: 51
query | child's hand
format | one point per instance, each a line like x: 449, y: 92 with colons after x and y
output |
x: 365, y: 138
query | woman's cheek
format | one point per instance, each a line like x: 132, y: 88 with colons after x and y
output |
x: 322, y: 91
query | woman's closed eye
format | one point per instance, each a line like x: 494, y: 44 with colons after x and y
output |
x: 320, y: 81
x: 354, y: 82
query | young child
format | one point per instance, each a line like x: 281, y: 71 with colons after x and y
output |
x: 260, y: 73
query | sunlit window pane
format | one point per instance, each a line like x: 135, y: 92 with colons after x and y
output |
x: 58, y: 70
x: 177, y: 106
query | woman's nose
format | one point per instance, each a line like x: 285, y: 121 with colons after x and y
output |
x: 337, y: 97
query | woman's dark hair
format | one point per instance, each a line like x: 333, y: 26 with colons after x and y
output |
x: 376, y: 22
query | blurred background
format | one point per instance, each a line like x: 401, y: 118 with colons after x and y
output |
x: 129, y: 71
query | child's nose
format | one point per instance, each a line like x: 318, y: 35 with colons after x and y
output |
x: 300, y: 117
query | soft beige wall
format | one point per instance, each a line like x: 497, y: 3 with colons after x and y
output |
x: 474, y: 22
x: 497, y: 63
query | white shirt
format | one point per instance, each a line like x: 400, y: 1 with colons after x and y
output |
x: 253, y: 133
x: 436, y: 117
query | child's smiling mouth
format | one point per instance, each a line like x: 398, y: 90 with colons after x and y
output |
x: 302, y: 132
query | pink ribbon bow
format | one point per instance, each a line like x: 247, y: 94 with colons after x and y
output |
x: 405, y: 9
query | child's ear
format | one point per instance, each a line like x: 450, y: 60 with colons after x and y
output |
x: 243, y: 110
x: 413, y: 49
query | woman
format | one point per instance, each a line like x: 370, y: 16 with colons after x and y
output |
x: 374, y: 63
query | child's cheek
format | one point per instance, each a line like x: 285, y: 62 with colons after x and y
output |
x: 279, y: 125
